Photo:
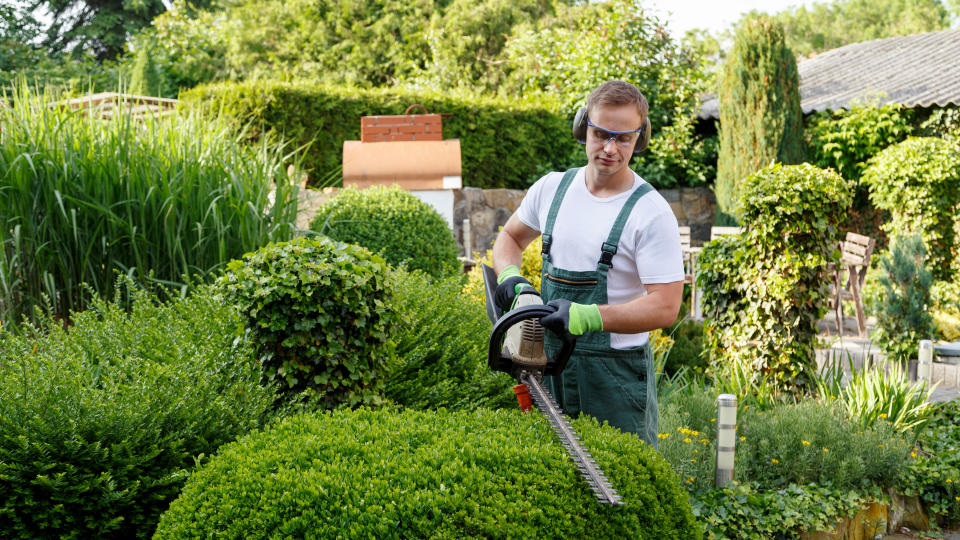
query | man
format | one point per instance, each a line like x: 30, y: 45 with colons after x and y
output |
x: 612, y: 264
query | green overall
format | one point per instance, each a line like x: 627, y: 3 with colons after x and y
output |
x: 616, y: 385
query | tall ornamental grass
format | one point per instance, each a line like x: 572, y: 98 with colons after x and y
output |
x: 83, y: 198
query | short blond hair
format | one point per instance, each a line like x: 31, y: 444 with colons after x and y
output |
x: 616, y: 93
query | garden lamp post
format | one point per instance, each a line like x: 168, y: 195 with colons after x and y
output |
x: 726, y: 438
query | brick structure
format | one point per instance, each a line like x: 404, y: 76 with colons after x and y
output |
x: 401, y: 127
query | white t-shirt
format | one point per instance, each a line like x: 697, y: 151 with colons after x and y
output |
x: 649, y: 248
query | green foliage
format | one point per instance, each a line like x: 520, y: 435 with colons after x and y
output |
x: 102, y: 423
x: 146, y: 79
x: 765, y: 289
x: 318, y: 313
x: 441, y: 358
x: 419, y: 474
x: 918, y: 183
x: 393, y: 223
x: 782, y: 445
x: 467, y: 39
x: 903, y: 310
x: 760, y: 117
x: 687, y: 349
x: 845, y: 140
x: 100, y: 27
x: 82, y: 198
x: 946, y: 308
x: 887, y: 394
x: 748, y: 512
x: 531, y: 266
x: 504, y: 143
x: 557, y: 56
x: 822, y: 26
x: 934, y: 473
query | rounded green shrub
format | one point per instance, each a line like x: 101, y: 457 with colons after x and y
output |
x: 918, y: 183
x: 442, y: 337
x: 415, y: 474
x: 318, y: 312
x: 394, y: 223
x: 101, y: 424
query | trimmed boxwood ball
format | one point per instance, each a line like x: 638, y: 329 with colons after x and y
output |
x: 419, y: 474
x: 319, y: 315
x: 394, y: 223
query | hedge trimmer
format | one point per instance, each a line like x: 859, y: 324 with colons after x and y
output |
x: 516, y: 347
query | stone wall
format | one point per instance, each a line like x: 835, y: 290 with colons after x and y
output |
x: 489, y: 209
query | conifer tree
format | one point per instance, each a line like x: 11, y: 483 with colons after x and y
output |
x: 146, y: 78
x: 760, y: 117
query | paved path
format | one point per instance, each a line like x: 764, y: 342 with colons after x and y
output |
x: 947, y: 535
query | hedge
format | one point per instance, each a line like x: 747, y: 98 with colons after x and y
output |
x: 415, y: 474
x: 101, y: 424
x: 504, y: 143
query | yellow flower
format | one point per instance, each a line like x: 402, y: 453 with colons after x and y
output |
x: 949, y: 481
x: 774, y: 461
x: 913, y: 455
x: 693, y: 461
x: 690, y: 479
x: 957, y: 498
x: 742, y: 438
x: 662, y: 435
x: 686, y: 440
x: 713, y: 419
x: 826, y: 449
x: 806, y: 443
x: 883, y: 415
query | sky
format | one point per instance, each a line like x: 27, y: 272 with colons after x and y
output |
x: 714, y: 15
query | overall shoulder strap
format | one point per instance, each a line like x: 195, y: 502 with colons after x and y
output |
x: 609, y: 248
x: 555, y: 209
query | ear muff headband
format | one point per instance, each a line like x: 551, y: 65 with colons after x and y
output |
x: 580, y: 131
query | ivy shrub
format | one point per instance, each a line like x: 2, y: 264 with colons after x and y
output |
x: 415, y: 474
x: 902, y: 310
x: 845, y: 140
x: 946, y: 308
x: 765, y: 289
x: 934, y: 472
x: 318, y: 313
x: 101, y: 423
x: 393, y: 223
x: 504, y: 142
x: 748, y: 512
x: 441, y: 342
x: 918, y: 183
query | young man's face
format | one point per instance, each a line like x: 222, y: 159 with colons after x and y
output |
x: 609, y: 156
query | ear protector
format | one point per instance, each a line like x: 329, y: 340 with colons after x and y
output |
x: 580, y: 131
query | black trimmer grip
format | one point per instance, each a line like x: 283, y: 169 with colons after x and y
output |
x: 498, y: 361
x: 489, y: 288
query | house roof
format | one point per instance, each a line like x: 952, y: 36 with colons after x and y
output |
x: 921, y: 70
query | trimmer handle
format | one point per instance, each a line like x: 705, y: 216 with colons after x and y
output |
x: 498, y: 361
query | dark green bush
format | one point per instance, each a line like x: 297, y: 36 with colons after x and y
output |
x: 765, y: 289
x: 441, y: 358
x: 903, y: 305
x: 393, y: 223
x: 101, y: 424
x: 318, y: 313
x: 504, y: 142
x: 760, y: 117
x: 413, y: 474
x: 918, y: 183
x: 687, y: 348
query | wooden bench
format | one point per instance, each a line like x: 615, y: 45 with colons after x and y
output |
x: 848, y: 278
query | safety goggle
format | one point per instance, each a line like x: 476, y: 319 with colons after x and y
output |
x: 624, y: 139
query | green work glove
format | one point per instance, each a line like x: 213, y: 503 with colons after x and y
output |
x: 510, y: 283
x: 572, y: 318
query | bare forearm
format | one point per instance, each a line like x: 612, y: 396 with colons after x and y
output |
x: 657, y: 309
x: 510, y: 242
